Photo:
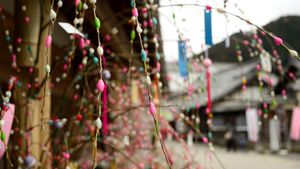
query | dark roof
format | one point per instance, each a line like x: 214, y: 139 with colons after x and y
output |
x: 223, y: 83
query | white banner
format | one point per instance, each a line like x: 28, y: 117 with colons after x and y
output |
x: 252, y: 124
x: 274, y: 134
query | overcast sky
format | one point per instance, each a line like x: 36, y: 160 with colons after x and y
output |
x: 190, y: 21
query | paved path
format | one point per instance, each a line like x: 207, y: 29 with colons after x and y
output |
x: 240, y: 159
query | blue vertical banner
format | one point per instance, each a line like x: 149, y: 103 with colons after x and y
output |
x: 207, y: 28
x: 182, y: 60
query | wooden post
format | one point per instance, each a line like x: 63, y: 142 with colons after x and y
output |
x: 32, y: 55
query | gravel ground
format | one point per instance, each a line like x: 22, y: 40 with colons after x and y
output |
x: 235, y: 160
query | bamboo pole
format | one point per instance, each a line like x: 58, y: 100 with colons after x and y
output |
x: 32, y: 55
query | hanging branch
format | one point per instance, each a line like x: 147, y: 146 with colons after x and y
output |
x: 48, y: 44
x: 277, y: 40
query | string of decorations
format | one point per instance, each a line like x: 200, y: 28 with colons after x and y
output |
x: 143, y: 54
